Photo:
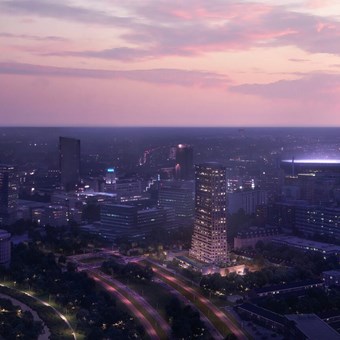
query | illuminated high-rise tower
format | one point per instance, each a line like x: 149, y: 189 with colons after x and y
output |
x: 8, y: 194
x: 69, y: 153
x: 184, y: 168
x: 209, y: 239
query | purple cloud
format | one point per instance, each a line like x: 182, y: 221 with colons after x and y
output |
x: 154, y: 76
x: 32, y: 37
x: 319, y: 86
x: 60, y: 10
x: 172, y: 28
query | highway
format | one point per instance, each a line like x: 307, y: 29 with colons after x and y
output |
x: 132, y: 300
x: 217, y: 321
x: 213, y: 331
x: 194, y: 295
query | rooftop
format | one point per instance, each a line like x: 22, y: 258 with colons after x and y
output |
x: 313, y: 327
x: 307, y: 244
x: 265, y: 313
x: 288, y: 286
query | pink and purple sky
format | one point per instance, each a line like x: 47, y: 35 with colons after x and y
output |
x: 170, y: 63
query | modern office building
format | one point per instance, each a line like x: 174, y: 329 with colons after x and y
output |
x: 184, y: 169
x: 178, y: 198
x: 132, y: 221
x: 246, y: 200
x: 69, y: 157
x: 8, y: 194
x: 209, y: 239
x: 5, y: 248
x: 318, y: 220
x: 128, y: 187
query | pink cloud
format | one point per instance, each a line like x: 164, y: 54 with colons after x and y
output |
x: 318, y: 87
x: 193, y: 28
x: 178, y: 77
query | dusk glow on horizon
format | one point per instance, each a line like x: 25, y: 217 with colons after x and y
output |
x: 170, y: 63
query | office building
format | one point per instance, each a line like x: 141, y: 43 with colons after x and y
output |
x: 209, y: 240
x: 132, y: 221
x: 184, y: 169
x: 318, y: 220
x: 180, y: 199
x: 8, y: 194
x: 69, y: 157
x: 308, y: 246
x: 110, y: 180
x: 246, y: 200
x: 52, y: 215
x: 128, y: 187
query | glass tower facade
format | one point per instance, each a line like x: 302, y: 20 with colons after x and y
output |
x: 209, y: 240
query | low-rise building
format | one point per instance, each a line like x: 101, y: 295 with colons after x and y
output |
x: 250, y: 237
x: 326, y: 249
x: 300, y: 286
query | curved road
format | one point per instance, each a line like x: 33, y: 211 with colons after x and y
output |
x: 213, y: 331
x: 197, y: 296
x: 144, y: 303
x: 149, y: 328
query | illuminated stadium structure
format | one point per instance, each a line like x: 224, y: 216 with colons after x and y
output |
x: 310, y: 166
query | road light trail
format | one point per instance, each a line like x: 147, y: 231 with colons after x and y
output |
x: 149, y: 328
x: 213, y: 331
x: 194, y: 295
x: 144, y: 303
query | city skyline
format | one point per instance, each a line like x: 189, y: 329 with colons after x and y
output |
x: 162, y: 63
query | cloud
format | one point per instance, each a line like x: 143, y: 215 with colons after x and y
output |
x: 298, y: 60
x: 60, y: 10
x: 154, y: 76
x: 313, y: 87
x: 32, y: 37
x: 154, y: 29
x: 119, y: 53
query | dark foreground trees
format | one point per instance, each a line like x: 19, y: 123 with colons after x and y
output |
x: 97, y: 314
x: 17, y: 324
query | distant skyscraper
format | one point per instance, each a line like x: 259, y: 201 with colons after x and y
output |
x: 209, y: 239
x: 8, y: 194
x: 69, y: 152
x: 184, y: 168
